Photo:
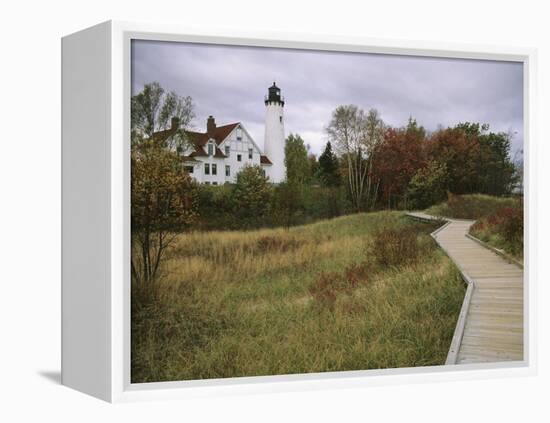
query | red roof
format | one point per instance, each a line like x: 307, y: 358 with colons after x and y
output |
x: 220, y: 134
x: 264, y: 160
x: 219, y: 154
x: 199, y: 140
x: 199, y: 152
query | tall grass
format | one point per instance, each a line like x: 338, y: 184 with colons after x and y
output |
x: 313, y: 298
x: 502, y: 229
x: 473, y: 206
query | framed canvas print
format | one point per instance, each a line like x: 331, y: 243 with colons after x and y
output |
x: 259, y: 212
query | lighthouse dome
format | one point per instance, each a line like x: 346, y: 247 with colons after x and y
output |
x: 274, y: 95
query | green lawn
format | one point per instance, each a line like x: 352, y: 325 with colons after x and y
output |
x: 363, y: 291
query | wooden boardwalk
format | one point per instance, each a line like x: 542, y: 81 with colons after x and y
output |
x: 490, y: 325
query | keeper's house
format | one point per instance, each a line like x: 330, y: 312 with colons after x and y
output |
x: 217, y: 155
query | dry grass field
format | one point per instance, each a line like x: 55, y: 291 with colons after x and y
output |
x: 364, y: 291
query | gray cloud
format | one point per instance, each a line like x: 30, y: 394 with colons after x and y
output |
x: 229, y: 83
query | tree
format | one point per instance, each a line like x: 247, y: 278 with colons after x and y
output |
x: 328, y: 172
x: 296, y: 161
x: 356, y: 135
x: 251, y: 195
x: 413, y: 130
x: 399, y: 157
x: 458, y: 149
x: 374, y: 135
x: 497, y: 174
x: 164, y: 203
x: 518, y: 165
x: 164, y: 197
x: 476, y: 160
x: 428, y: 185
x: 313, y: 167
x: 153, y: 110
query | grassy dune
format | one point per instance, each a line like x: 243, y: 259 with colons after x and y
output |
x: 472, y: 206
x: 358, y: 292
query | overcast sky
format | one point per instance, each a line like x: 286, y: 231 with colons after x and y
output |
x: 230, y: 83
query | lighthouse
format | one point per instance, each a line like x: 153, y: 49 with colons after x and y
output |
x: 274, y: 139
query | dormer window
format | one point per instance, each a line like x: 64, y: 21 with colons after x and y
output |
x: 210, y: 148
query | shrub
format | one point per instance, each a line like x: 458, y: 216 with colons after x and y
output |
x: 287, y: 204
x: 393, y: 246
x: 216, y: 207
x: 324, y: 290
x: 326, y: 202
x: 266, y: 244
x: 512, y: 225
x: 328, y: 286
x: 502, y: 229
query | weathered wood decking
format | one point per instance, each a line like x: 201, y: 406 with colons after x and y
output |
x: 490, y: 325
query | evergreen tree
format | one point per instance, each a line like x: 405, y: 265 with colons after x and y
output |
x: 328, y: 167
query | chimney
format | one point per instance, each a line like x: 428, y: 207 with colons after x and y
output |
x: 210, y: 126
x: 175, y: 123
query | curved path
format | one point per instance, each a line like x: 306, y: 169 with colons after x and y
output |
x: 490, y: 325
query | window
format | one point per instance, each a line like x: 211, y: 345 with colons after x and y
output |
x: 214, y: 183
x: 250, y: 151
x: 214, y: 169
x: 188, y: 169
x: 207, y: 169
x: 239, y: 134
x: 239, y: 157
x: 227, y: 170
x: 207, y: 183
x: 210, y: 149
x: 281, y: 119
x: 227, y: 150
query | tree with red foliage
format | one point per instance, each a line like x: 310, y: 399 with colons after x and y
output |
x: 458, y: 149
x: 400, y: 155
x: 476, y: 160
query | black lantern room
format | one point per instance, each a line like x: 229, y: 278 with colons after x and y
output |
x: 274, y: 95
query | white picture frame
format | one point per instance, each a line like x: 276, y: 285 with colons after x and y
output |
x: 96, y: 214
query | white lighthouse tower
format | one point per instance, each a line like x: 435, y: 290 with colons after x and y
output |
x: 274, y: 140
